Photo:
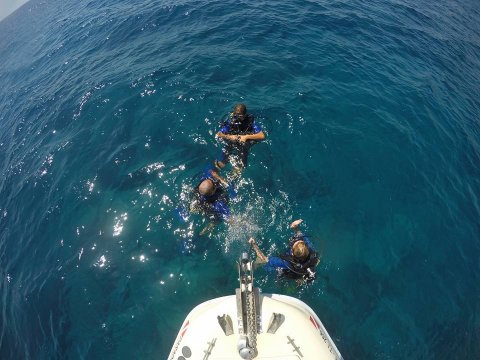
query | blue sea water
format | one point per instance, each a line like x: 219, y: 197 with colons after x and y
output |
x: 108, y: 111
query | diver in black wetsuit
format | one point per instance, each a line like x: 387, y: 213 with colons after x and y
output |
x: 211, y: 199
x: 299, y: 262
x: 239, y: 132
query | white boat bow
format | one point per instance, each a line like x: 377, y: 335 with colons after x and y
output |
x: 252, y: 325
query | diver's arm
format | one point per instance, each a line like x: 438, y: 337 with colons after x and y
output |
x: 258, y: 137
x: 223, y: 133
x: 295, y: 226
x: 226, y: 136
x: 259, y: 252
x: 219, y: 178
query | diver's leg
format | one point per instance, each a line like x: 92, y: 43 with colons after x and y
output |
x: 240, y: 163
x: 244, y: 151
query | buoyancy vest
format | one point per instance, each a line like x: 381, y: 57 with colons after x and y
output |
x: 240, y: 127
x: 300, y: 268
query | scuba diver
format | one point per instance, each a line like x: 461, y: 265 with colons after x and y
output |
x: 239, y: 132
x: 300, y: 260
x: 210, y: 198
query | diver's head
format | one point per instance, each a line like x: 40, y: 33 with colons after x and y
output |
x: 240, y: 109
x: 239, y: 114
x: 206, y: 187
x: 300, y: 250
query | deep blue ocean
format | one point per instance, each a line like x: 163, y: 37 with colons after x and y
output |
x: 108, y: 111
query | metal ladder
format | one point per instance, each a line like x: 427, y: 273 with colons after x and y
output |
x: 248, y: 314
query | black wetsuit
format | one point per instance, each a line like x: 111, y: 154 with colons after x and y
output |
x: 236, y: 126
x: 291, y: 267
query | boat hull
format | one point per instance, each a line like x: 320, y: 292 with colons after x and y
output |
x: 287, y: 329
